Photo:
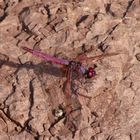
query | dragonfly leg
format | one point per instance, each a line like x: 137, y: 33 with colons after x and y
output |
x: 85, y: 96
x: 77, y: 93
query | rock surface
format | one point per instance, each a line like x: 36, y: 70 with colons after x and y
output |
x: 33, y: 104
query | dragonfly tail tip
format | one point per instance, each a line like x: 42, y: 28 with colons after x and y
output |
x: 26, y: 49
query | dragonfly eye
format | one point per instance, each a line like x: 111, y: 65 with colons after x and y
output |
x: 90, y: 72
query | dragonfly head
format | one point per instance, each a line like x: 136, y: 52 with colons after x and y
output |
x: 90, y: 72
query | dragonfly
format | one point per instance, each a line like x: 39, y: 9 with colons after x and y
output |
x: 72, y: 66
x: 75, y: 63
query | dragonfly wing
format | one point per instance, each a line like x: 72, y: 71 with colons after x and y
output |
x: 84, y: 54
x: 73, y: 106
x: 81, y: 57
x: 97, y: 57
x: 67, y: 91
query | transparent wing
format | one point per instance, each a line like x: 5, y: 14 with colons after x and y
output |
x: 84, y: 57
x: 67, y: 90
x: 73, y: 106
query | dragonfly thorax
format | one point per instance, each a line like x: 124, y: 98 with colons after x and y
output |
x: 75, y: 65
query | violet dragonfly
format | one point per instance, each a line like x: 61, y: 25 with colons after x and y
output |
x: 77, y: 65
x: 72, y: 66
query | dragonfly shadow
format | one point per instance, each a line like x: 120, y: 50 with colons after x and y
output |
x: 40, y: 68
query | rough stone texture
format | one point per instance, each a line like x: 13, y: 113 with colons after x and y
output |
x: 32, y: 99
